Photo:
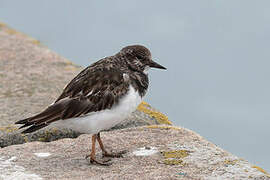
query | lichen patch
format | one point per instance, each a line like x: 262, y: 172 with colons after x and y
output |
x: 175, y: 154
x: 161, y: 118
x: 261, y: 170
x: 163, y: 127
x: 175, y: 157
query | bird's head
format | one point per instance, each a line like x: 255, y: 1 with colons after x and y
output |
x: 139, y: 58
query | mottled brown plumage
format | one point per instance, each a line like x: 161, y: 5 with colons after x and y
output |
x: 98, y: 87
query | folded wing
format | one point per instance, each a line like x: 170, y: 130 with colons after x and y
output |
x: 89, y: 91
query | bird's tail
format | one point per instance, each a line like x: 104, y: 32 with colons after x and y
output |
x: 43, y: 119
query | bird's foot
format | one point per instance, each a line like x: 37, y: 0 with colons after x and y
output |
x: 105, y: 162
x: 114, y: 155
x: 102, y: 163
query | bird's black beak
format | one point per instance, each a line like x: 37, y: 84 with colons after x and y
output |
x: 153, y: 64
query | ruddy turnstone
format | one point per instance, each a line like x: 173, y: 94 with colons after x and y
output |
x: 100, y: 96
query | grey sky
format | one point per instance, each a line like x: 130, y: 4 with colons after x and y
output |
x: 216, y: 51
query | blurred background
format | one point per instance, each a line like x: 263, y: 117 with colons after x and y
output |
x: 216, y: 51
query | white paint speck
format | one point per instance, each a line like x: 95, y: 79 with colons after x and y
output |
x: 145, y: 151
x: 42, y: 154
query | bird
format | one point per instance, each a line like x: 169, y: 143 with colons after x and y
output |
x: 99, y: 97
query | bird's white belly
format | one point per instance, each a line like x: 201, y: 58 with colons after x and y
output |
x: 105, y: 119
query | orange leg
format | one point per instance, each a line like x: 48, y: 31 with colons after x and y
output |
x: 93, y: 154
x: 105, y: 153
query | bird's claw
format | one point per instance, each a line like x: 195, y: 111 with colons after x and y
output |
x: 102, y: 163
x: 105, y: 162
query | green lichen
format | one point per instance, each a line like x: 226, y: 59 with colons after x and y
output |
x: 46, y: 136
x: 25, y: 137
x: 230, y: 162
x: 71, y: 68
x: 175, y: 157
x: 36, y: 42
x: 261, y: 170
x: 10, y: 31
x: 54, y: 130
x: 2, y: 24
x: 69, y: 62
x: 9, y: 129
x: 163, y: 127
x: 161, y: 118
x: 175, y: 154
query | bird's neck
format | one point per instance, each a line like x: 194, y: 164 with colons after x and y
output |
x: 139, y: 81
x: 138, y: 78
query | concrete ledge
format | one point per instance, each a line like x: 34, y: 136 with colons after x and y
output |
x: 154, y: 152
x: 32, y: 76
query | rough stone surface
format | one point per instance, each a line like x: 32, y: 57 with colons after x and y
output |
x: 32, y: 77
x: 154, y: 152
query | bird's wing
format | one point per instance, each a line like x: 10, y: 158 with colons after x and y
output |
x: 90, y: 91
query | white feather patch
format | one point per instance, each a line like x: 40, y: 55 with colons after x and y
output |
x: 96, y: 121
x: 146, y: 69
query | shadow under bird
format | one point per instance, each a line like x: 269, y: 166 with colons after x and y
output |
x: 99, y: 97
